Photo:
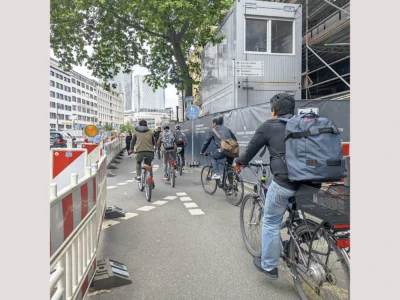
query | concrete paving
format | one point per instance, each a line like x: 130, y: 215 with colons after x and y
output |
x: 185, y: 244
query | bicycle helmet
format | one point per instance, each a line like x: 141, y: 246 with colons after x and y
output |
x: 178, y: 127
x: 166, y: 127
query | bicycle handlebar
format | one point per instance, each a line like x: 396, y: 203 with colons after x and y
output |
x: 258, y: 165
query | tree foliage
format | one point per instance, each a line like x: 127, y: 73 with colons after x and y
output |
x: 157, y: 34
x: 126, y: 128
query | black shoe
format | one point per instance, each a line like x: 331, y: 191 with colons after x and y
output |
x: 273, y: 274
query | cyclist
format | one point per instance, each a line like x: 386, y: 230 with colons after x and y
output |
x: 272, y: 134
x: 156, y: 136
x: 225, y: 133
x: 167, y: 140
x: 143, y: 144
x: 181, y: 142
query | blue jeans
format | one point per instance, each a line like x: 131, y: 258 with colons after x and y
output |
x: 218, y: 156
x: 276, y: 203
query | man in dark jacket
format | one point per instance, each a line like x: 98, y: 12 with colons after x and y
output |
x: 128, y: 140
x: 272, y: 134
x: 225, y: 133
x: 143, y: 144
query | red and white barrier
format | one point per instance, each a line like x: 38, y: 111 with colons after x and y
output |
x: 77, y: 206
x: 64, y: 162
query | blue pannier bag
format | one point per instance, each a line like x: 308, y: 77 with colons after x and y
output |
x: 313, y: 149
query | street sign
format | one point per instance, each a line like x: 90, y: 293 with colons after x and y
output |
x: 250, y: 72
x: 250, y: 68
x: 192, y: 112
x: 189, y: 99
x: 244, y: 64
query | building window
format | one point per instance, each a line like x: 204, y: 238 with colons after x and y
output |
x: 65, y: 79
x: 73, y: 80
x: 78, y: 83
x: 52, y: 83
x: 282, y: 37
x: 61, y: 126
x: 91, y: 89
x: 79, y: 100
x: 87, y: 87
x: 79, y: 118
x: 69, y: 126
x: 52, y: 125
x: 84, y: 118
x: 51, y: 73
x: 52, y: 104
x: 74, y: 98
x: 74, y: 90
x: 79, y: 109
x: 52, y: 94
x: 61, y: 96
x: 61, y: 116
x: 73, y: 107
x: 256, y: 35
x: 52, y: 116
x: 91, y: 96
x: 84, y: 110
x: 95, y: 97
x: 67, y: 117
x: 78, y: 91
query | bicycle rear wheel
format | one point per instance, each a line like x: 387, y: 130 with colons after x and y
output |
x: 251, y: 215
x: 209, y: 185
x: 148, y: 188
x: 172, y: 176
x: 180, y: 165
x: 328, y: 276
x: 142, y: 178
x: 235, y: 190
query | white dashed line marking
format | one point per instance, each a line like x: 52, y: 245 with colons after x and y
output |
x: 186, y: 199
x: 128, y: 216
x: 160, y: 202
x: 196, y: 212
x: 181, y: 194
x: 111, y: 187
x: 108, y: 223
x: 190, y: 205
x: 121, y: 183
x: 146, y: 208
x: 170, y: 198
x: 130, y: 181
x: 134, y: 172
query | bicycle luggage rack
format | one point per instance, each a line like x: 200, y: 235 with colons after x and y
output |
x: 332, y: 206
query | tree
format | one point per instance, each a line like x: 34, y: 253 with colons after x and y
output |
x: 119, y: 31
x: 108, y: 127
x: 126, y: 128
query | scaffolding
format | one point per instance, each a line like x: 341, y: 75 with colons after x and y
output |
x: 326, y: 48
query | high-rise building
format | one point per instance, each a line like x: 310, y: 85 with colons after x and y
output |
x: 144, y: 97
x: 77, y: 101
x: 124, y: 85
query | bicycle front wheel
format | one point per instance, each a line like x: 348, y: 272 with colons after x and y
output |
x: 251, y: 215
x: 328, y: 274
x: 209, y: 185
x: 180, y: 165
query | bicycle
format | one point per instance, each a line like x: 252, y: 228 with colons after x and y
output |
x: 157, y: 151
x: 146, y: 180
x: 171, y: 171
x: 179, y: 160
x: 231, y: 183
x: 332, y: 207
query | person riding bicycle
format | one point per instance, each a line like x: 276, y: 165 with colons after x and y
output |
x: 225, y: 133
x: 156, y: 136
x: 167, y: 140
x: 143, y: 144
x: 272, y: 134
x: 181, y: 142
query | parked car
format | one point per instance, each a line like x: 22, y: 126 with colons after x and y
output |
x: 59, y: 139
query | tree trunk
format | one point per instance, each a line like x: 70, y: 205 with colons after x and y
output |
x: 181, y: 60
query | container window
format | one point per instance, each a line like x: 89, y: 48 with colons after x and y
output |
x: 281, y: 37
x: 256, y: 35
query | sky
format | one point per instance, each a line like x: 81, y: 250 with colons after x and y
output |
x: 171, y: 98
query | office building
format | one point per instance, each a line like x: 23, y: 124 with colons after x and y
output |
x: 144, y: 97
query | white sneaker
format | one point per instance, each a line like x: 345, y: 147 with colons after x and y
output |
x: 216, y: 177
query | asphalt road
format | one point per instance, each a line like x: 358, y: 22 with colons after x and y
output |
x: 172, y: 254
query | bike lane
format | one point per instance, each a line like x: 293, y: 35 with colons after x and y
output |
x: 184, y: 244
